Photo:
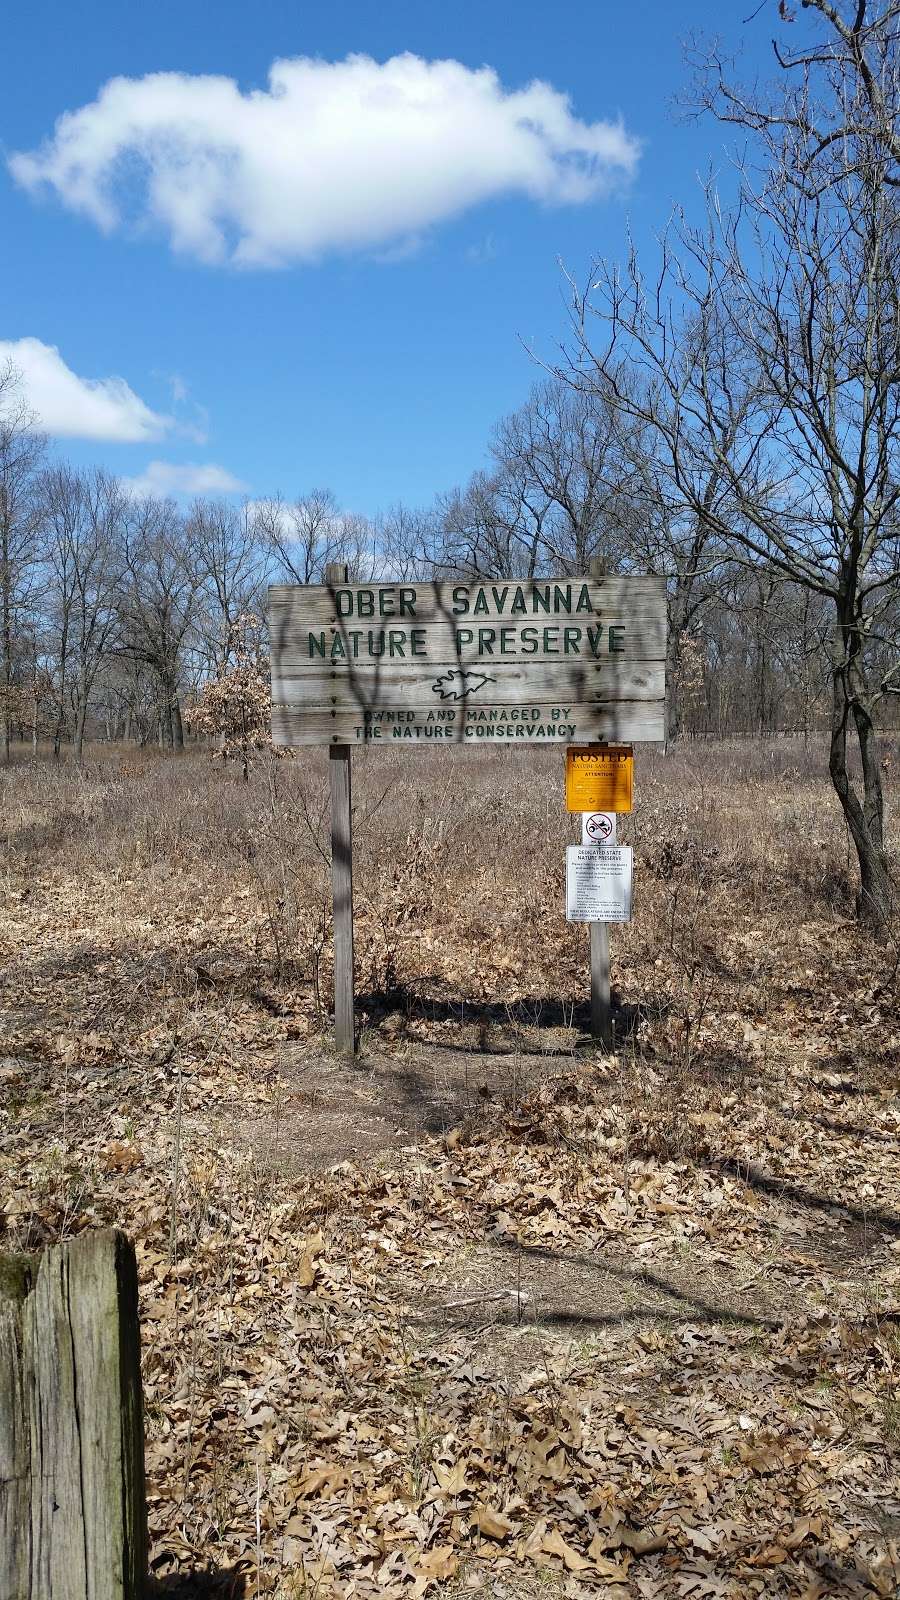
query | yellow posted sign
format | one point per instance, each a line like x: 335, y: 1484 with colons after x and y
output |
x: 599, y: 777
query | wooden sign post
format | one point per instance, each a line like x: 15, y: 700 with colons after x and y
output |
x: 339, y: 773
x: 511, y: 662
x: 73, y: 1509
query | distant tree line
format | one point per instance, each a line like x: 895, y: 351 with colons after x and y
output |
x: 727, y: 416
x: 116, y: 610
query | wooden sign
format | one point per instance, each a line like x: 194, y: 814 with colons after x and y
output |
x: 477, y: 664
x: 599, y: 778
x: 508, y: 662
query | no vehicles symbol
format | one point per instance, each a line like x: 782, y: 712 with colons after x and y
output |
x: 598, y: 827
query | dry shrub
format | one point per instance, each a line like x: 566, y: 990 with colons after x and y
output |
x: 459, y: 863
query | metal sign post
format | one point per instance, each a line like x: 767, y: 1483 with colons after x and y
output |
x: 598, y: 872
x: 601, y: 1004
x: 598, y: 828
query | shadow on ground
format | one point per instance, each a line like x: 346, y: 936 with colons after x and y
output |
x: 504, y: 1283
x: 499, y: 1027
x: 865, y: 1223
x: 336, y: 1108
x: 213, y: 1583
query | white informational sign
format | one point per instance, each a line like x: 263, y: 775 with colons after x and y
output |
x: 598, y: 827
x: 598, y: 883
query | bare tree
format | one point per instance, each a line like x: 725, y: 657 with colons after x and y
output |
x: 477, y: 532
x: 129, y: 695
x: 573, y: 468
x: 564, y: 489
x: 613, y: 499
x: 61, y: 509
x: 84, y: 518
x: 157, y: 599
x: 575, y: 480
x: 767, y: 350
x: 407, y: 539
x: 849, y: 91
x: 21, y: 451
x: 231, y: 567
x: 304, y: 535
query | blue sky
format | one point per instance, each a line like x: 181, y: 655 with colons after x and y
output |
x: 352, y: 348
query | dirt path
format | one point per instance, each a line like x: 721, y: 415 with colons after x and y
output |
x: 499, y: 1292
x: 333, y: 1110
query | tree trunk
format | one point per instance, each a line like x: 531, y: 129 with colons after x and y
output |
x: 80, y: 717
x: 61, y: 711
x: 166, y: 725
x: 6, y: 679
x: 72, y: 1498
x: 79, y: 730
x: 873, y: 795
x: 177, y: 728
x: 875, y: 898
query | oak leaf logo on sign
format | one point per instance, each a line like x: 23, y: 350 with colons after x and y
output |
x: 459, y: 684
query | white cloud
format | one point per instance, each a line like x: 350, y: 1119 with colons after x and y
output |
x: 485, y: 250
x: 345, y: 155
x: 198, y: 429
x: 182, y: 480
x: 70, y: 407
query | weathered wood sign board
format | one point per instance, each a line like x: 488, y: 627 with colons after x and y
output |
x: 508, y: 662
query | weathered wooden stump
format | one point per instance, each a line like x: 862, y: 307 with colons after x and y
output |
x: 73, y: 1518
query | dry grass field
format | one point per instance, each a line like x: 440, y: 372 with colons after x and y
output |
x: 483, y: 1309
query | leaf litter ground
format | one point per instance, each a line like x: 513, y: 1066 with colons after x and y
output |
x: 483, y: 1310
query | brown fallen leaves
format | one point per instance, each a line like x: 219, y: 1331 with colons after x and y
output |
x: 493, y: 1524
x: 306, y: 1266
x: 634, y: 1333
x: 296, y: 1379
